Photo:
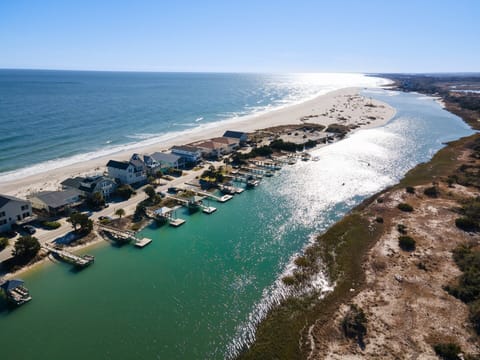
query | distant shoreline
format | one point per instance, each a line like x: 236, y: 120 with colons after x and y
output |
x: 288, y: 115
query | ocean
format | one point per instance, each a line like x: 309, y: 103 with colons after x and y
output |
x: 50, y: 119
x: 199, y: 291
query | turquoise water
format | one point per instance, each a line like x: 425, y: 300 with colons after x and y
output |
x: 197, y: 291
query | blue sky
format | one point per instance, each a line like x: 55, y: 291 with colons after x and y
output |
x: 251, y: 36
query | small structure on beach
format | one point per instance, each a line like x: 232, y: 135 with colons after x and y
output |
x: 16, y: 292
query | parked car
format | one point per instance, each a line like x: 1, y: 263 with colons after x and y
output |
x: 30, y: 229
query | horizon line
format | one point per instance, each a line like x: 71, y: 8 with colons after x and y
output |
x: 243, y: 72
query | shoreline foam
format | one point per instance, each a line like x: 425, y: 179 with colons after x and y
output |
x: 49, y: 179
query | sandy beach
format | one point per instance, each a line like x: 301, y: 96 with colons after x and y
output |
x: 344, y: 106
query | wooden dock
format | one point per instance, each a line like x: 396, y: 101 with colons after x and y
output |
x: 125, y: 235
x: 79, y: 261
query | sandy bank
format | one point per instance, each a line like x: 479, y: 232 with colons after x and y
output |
x: 343, y: 106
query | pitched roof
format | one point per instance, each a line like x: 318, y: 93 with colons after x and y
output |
x: 73, y: 182
x: 122, y: 165
x: 165, y: 157
x: 209, y: 145
x: 188, y: 148
x: 11, y: 284
x: 137, y: 162
x: 226, y: 140
x: 56, y: 199
x: 4, y: 199
x: 234, y: 134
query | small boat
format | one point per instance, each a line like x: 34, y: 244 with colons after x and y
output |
x: 251, y: 183
x: 268, y: 174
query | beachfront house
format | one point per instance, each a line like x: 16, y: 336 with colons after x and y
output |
x: 91, y: 184
x: 210, y: 148
x: 160, y: 161
x: 229, y: 144
x: 55, y: 202
x: 241, y: 136
x: 13, y: 210
x: 128, y: 172
x: 190, y: 154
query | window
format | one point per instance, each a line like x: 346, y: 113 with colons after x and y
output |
x: 2, y: 214
x: 24, y: 207
x: 3, y: 222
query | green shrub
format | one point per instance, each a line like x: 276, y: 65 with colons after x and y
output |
x: 51, y: 225
x: 402, y: 229
x: 466, y: 224
x: 354, y: 324
x: 475, y: 315
x: 3, y: 243
x: 289, y: 280
x: 135, y: 227
x: 447, y: 351
x: 406, y: 243
x: 405, y: 207
x: 431, y: 191
x: 26, y: 248
x: 379, y: 219
x: 302, y: 261
x: 410, y: 189
x: 125, y: 191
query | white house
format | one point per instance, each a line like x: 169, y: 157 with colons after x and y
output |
x: 128, y: 172
x: 13, y: 210
x: 190, y: 153
x: 160, y: 161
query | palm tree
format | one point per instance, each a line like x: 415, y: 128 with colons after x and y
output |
x: 120, y: 213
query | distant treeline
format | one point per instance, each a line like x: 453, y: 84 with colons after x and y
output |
x: 442, y: 85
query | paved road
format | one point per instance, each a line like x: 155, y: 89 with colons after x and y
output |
x: 45, y: 236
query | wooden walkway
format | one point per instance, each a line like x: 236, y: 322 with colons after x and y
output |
x: 81, y: 261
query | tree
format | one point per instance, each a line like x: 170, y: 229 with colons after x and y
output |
x: 81, y: 220
x: 3, y: 243
x: 125, y: 191
x: 150, y: 191
x: 120, y: 213
x: 96, y: 200
x: 26, y: 247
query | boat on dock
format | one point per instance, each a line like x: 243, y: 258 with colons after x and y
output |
x: 227, y: 189
x: 15, y: 291
x: 252, y: 182
x: 166, y: 214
